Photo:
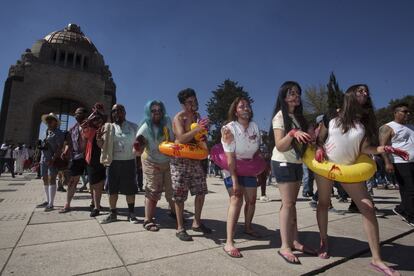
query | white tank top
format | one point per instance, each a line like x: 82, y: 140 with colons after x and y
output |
x: 403, y: 139
x: 344, y: 148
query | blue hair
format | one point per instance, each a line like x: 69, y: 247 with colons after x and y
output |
x: 165, y: 120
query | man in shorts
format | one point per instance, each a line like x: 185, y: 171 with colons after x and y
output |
x: 188, y: 174
x: 51, y: 151
x: 155, y: 129
x: 119, y: 159
x: 75, y: 150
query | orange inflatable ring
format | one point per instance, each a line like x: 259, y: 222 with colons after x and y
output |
x: 190, y: 151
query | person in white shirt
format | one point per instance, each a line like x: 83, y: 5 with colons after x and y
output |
x: 240, y: 140
x: 348, y: 135
x: 20, y: 154
x: 289, y: 132
x: 400, y: 134
x: 7, y: 158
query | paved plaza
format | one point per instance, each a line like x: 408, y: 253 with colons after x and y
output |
x: 34, y: 242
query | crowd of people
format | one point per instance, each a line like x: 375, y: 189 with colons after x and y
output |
x: 107, y: 147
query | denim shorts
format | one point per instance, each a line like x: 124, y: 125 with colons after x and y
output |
x: 244, y: 181
x: 46, y: 170
x: 287, y: 172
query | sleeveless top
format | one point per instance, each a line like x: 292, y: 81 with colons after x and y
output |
x: 403, y: 139
x: 343, y: 148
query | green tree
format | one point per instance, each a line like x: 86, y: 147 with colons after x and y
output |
x: 335, y: 94
x: 386, y: 114
x: 315, y: 101
x: 219, y: 104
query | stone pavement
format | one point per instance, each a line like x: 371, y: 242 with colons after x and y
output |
x: 33, y: 242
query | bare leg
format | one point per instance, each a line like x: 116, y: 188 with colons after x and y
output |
x: 150, y: 206
x: 112, y: 201
x: 179, y: 210
x: 324, y: 200
x: 97, y: 194
x: 73, y: 181
x: 289, y: 193
x: 359, y: 194
x: 249, y: 208
x: 235, y: 204
x: 198, y: 207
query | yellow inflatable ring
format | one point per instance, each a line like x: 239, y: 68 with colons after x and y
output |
x: 363, y: 169
x: 190, y: 151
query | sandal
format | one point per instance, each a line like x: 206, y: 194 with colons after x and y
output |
x: 150, y: 226
x: 234, y: 253
x: 182, y: 235
x: 289, y: 257
x: 387, y: 271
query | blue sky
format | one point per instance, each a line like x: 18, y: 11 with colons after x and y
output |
x: 156, y: 48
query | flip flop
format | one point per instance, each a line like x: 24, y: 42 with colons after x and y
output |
x: 286, y: 256
x: 387, y: 271
x: 306, y: 250
x: 323, y: 252
x: 234, y: 253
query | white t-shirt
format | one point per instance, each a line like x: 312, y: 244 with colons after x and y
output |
x: 403, y: 139
x: 246, y: 141
x: 344, y: 148
x: 286, y: 156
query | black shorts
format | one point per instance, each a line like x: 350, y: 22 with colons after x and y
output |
x: 121, y: 177
x: 287, y: 172
x: 77, y: 167
x: 96, y: 173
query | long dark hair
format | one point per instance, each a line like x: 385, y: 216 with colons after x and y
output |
x: 287, y: 120
x: 352, y: 112
x: 231, y: 115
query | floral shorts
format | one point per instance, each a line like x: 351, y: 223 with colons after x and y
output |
x: 187, y: 175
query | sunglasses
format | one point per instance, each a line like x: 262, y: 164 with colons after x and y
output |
x: 404, y: 111
x: 156, y: 110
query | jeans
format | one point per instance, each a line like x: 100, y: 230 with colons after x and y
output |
x: 307, y: 180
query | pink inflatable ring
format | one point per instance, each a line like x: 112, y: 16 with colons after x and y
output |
x: 244, y: 167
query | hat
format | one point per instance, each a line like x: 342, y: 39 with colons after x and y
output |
x: 51, y: 115
x: 319, y: 119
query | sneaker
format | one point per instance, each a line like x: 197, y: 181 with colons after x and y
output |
x: 264, y: 199
x: 94, y: 213
x: 42, y: 205
x: 307, y: 194
x: 49, y: 208
x: 182, y: 235
x: 313, y: 203
x: 108, y: 219
x: 132, y: 219
x: 82, y: 189
x: 410, y: 222
x: 400, y: 214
